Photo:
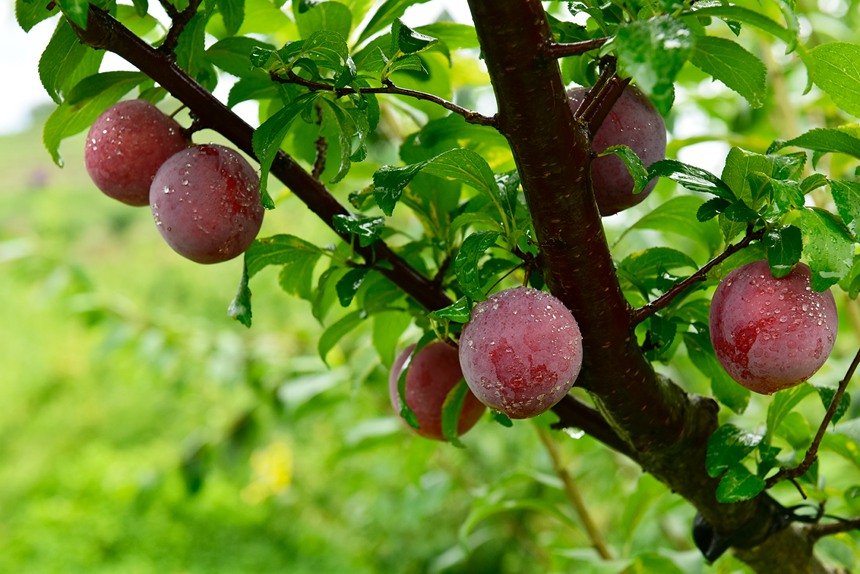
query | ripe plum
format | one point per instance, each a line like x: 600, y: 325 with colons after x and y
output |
x: 433, y: 372
x: 771, y: 334
x: 521, y: 351
x: 206, y: 203
x: 125, y: 147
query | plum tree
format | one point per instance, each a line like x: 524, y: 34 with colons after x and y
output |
x: 770, y: 334
x: 125, y: 147
x: 635, y: 122
x: 521, y: 351
x: 206, y: 203
x: 433, y: 372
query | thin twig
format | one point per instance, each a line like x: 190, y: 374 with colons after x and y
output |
x: 322, y: 148
x: 555, y: 50
x: 664, y: 300
x: 843, y: 525
x: 601, y: 97
x: 180, y: 20
x: 388, y: 87
x: 812, y: 452
x: 571, y: 490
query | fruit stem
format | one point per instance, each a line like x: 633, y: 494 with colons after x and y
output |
x: 573, y: 494
x: 812, y: 452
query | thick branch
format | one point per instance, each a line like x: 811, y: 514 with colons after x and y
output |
x: 471, y: 117
x: 104, y: 32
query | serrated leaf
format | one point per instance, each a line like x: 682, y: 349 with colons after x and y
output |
x: 738, y: 484
x: 233, y: 55
x: 747, y: 16
x: 366, y: 228
x: 653, y: 261
x: 846, y: 196
x: 692, y: 177
x: 388, y: 326
x: 679, y: 215
x: 68, y: 119
x: 711, y: 209
x: 337, y: 330
x: 826, y: 140
x: 724, y: 389
x: 28, y: 13
x: 459, y: 311
x: 297, y: 257
x: 240, y: 306
x: 836, y: 70
x: 826, y: 394
x: 783, y: 403
x: 325, y: 16
x: 451, y: 409
x: 347, y: 128
x: 66, y: 61
x: 727, y: 446
x: 466, y: 262
x: 733, y: 65
x: 784, y: 247
x: 349, y: 284
x: 384, y: 16
x: 634, y: 165
x: 233, y: 13
x: 828, y: 247
x: 653, y: 51
x: 267, y: 139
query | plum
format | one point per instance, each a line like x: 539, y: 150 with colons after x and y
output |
x: 206, y: 203
x: 771, y: 334
x: 635, y: 122
x: 521, y: 351
x: 125, y: 147
x: 433, y: 372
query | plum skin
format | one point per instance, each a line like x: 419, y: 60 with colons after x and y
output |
x: 433, y: 372
x: 635, y: 122
x: 771, y: 334
x: 521, y: 351
x: 125, y: 147
x: 206, y: 203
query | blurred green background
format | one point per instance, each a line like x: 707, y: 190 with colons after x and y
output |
x: 144, y: 431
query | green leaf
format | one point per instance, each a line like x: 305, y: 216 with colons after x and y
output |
x: 828, y: 247
x: 233, y: 12
x: 654, y: 261
x: 455, y: 36
x: 405, y: 39
x: 297, y: 256
x: 337, y: 330
x: 836, y: 70
x: 66, y: 61
x: 727, y: 447
x: 460, y: 164
x: 739, y: 484
x: 459, y: 311
x: 384, y: 16
x: 28, y: 13
x: 451, y: 409
x: 349, y: 284
x: 833, y: 140
x: 783, y: 403
x: 233, y: 55
x: 679, y: 215
x: 846, y: 196
x: 784, y: 246
x: 653, y: 51
x: 240, y: 306
x: 826, y: 394
x: 711, y: 209
x: 366, y: 228
x: 388, y: 326
x: 632, y: 162
x: 691, y: 177
x: 466, y: 262
x: 327, y: 16
x: 343, y: 122
x: 76, y: 11
x: 733, y: 65
x: 93, y: 95
x: 267, y: 139
x: 724, y: 389
x: 747, y: 16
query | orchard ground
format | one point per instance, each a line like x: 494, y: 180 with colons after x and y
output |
x: 125, y: 385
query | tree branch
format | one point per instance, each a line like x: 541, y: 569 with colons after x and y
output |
x: 666, y: 299
x: 601, y: 97
x: 554, y: 50
x: 180, y: 21
x: 388, y: 87
x: 812, y: 452
x: 821, y: 530
x: 104, y: 32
